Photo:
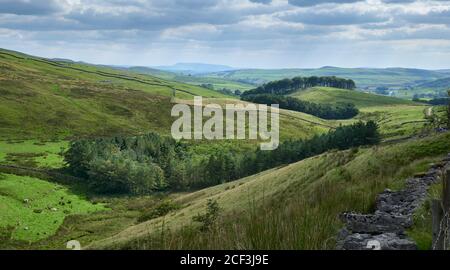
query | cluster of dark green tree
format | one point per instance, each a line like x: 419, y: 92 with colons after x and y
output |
x: 149, y: 163
x: 287, y: 86
x: 342, y: 138
x: 325, y: 111
x: 435, y: 101
x: 439, y: 101
x: 434, y: 95
x: 128, y: 165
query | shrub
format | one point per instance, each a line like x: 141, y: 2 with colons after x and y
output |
x: 210, y: 217
x: 161, y: 210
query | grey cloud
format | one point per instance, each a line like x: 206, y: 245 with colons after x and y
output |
x: 38, y: 23
x: 309, y: 3
x: 147, y: 20
x: 334, y: 17
x: 29, y: 7
x: 262, y: 1
x: 174, y: 27
x: 138, y: 15
x: 433, y: 17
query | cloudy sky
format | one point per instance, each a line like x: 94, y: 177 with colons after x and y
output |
x: 240, y: 33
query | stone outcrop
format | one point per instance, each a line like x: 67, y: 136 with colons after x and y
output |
x: 385, y: 229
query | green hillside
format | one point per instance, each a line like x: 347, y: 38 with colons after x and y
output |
x: 359, y: 99
x: 440, y: 84
x: 45, y: 99
x: 396, y: 117
x: 295, y: 207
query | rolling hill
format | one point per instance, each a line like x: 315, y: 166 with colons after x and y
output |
x: 195, y: 79
x: 364, y: 77
x: 43, y: 99
x: 440, y: 84
x: 47, y: 99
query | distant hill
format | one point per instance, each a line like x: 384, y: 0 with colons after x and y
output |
x: 412, y: 80
x: 196, y: 79
x: 195, y: 68
x: 440, y: 84
x: 364, y: 77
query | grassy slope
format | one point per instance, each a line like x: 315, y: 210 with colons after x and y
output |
x: 361, y: 100
x: 296, y: 206
x: 396, y: 117
x: 43, y: 196
x: 40, y: 99
x: 293, y: 125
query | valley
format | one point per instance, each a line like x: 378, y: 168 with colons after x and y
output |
x: 46, y: 105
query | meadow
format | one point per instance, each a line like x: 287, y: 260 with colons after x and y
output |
x: 34, y: 209
x: 33, y: 153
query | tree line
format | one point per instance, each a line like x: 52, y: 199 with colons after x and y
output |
x: 151, y: 163
x: 324, y: 111
x: 434, y: 102
x: 287, y: 86
x: 439, y: 101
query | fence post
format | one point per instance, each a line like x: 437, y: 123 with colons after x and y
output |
x: 438, y: 234
x: 446, y: 205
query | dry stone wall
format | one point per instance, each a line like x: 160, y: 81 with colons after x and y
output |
x: 385, y: 229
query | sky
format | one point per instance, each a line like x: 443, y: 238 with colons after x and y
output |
x: 238, y: 33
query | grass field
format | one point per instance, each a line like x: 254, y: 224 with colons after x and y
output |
x: 35, y: 208
x: 295, y: 207
x: 397, y: 121
x: 32, y: 153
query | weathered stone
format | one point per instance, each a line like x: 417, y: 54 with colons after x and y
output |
x: 386, y: 241
x: 377, y: 223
